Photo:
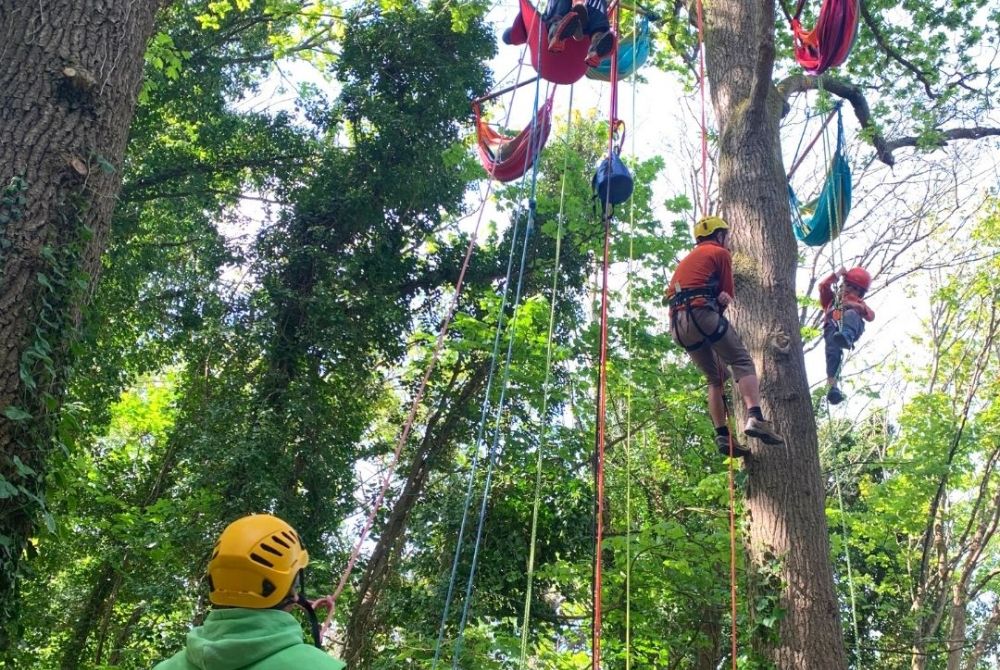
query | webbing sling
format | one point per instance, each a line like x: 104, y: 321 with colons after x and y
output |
x: 682, y: 300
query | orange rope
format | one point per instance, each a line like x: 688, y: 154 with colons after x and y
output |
x: 732, y: 477
x: 602, y: 384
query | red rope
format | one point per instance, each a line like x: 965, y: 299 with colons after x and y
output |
x: 602, y: 384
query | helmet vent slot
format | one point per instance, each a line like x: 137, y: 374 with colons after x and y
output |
x: 267, y: 588
x: 268, y: 548
x: 281, y: 542
x: 257, y: 558
x: 289, y: 537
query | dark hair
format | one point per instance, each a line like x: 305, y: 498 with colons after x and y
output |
x: 714, y: 236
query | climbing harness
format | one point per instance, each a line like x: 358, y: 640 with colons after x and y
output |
x: 682, y: 300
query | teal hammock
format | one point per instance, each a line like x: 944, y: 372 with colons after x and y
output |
x: 633, y: 52
x: 830, y: 213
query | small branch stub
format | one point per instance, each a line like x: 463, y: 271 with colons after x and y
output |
x: 79, y: 165
x: 81, y: 79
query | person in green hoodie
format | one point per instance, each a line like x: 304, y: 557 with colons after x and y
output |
x: 254, y: 575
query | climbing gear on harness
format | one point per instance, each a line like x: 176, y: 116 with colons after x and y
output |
x: 859, y: 279
x: 255, y: 563
x: 682, y: 300
x: 708, y: 225
x: 763, y: 431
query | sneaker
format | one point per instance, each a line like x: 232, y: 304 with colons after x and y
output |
x: 562, y: 30
x: 835, y: 396
x: 763, y: 431
x: 843, y: 339
x: 739, y: 451
x: 601, y: 44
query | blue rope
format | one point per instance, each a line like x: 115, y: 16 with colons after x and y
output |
x: 485, y: 407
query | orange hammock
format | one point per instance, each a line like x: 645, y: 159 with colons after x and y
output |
x: 829, y: 42
x: 507, y: 158
x: 558, y: 67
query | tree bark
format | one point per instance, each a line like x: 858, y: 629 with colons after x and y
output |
x: 69, y: 79
x: 785, y: 499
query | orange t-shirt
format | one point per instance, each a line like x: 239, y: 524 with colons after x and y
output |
x: 708, y: 264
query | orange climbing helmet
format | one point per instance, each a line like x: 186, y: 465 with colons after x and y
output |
x: 255, y: 563
x: 858, y: 278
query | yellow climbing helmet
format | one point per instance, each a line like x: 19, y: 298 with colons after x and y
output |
x: 255, y: 562
x: 708, y: 225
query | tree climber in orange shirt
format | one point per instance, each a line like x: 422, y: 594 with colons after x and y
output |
x: 699, y: 292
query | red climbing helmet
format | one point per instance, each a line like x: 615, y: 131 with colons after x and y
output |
x: 858, y: 278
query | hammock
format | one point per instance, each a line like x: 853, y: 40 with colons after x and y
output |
x: 828, y: 44
x: 629, y: 59
x: 834, y: 202
x: 507, y: 158
x: 563, y: 67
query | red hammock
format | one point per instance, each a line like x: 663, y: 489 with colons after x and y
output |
x: 828, y: 44
x: 507, y: 158
x: 563, y: 67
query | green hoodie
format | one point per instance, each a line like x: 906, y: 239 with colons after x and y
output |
x: 246, y: 639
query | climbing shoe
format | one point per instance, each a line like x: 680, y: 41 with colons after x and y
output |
x: 835, y: 396
x: 844, y: 339
x: 601, y: 44
x: 507, y: 39
x: 563, y: 29
x: 763, y: 431
x: 739, y: 451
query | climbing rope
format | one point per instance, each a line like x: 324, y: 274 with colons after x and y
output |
x: 491, y: 455
x: 847, y: 548
x: 628, y: 388
x: 331, y: 601
x: 546, y: 388
x: 601, y: 427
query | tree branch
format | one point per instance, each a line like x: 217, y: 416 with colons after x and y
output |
x: 893, y: 53
x: 853, y: 94
x: 946, y: 136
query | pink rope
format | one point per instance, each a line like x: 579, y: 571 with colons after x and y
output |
x: 331, y: 600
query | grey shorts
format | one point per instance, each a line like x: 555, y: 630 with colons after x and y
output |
x: 712, y: 358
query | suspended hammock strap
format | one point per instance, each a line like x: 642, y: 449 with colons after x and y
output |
x: 829, y: 43
x: 509, y: 158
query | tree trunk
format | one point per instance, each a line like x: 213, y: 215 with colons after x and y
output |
x: 785, y: 498
x: 69, y: 74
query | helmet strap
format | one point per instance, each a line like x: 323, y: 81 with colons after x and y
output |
x: 303, y: 602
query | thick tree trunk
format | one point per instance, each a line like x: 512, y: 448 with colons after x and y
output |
x: 69, y: 78
x: 786, y: 493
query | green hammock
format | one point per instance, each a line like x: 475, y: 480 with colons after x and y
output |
x: 834, y: 202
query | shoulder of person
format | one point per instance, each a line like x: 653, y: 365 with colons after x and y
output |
x: 312, y: 658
